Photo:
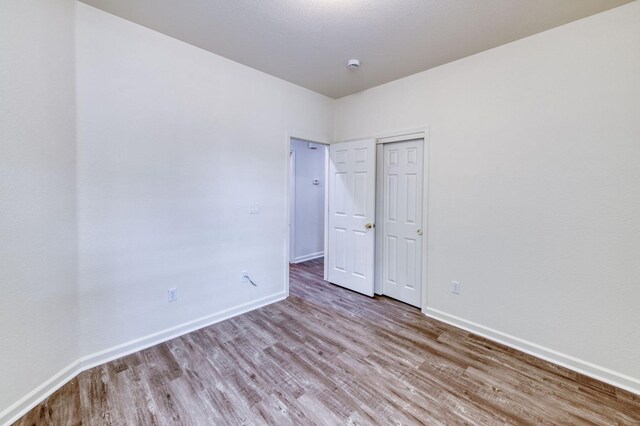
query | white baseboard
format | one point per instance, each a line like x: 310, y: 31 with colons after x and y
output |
x: 39, y: 394
x: 311, y: 256
x: 136, y: 345
x: 597, y: 372
x: 36, y: 396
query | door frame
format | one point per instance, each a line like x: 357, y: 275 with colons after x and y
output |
x: 290, y: 198
x: 390, y: 137
x: 292, y: 203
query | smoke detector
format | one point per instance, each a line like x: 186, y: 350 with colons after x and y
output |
x: 353, y: 64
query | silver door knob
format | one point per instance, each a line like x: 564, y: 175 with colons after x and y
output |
x: 419, y: 231
x: 369, y: 225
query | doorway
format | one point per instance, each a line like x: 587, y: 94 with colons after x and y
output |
x: 307, y: 186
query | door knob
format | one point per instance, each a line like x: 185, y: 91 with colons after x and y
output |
x: 419, y: 231
x: 369, y: 226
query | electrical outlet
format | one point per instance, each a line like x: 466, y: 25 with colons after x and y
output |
x: 243, y: 276
x: 254, y: 208
x: 172, y: 295
x: 456, y: 287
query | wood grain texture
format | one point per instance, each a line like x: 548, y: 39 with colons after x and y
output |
x: 327, y: 355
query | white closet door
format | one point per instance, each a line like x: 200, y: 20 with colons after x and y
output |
x: 402, y: 216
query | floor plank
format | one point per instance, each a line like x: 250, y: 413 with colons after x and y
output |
x: 327, y: 355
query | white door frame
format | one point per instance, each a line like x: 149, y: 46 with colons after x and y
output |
x: 389, y: 137
x: 292, y: 203
x: 290, y: 199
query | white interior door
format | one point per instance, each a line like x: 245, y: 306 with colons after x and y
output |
x: 350, y: 254
x: 402, y: 221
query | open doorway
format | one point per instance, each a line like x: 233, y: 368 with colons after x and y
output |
x: 307, y: 191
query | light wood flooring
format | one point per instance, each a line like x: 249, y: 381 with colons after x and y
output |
x: 330, y: 356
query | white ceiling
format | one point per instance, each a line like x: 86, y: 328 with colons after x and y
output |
x: 308, y: 42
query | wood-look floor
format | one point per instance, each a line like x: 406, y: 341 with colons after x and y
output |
x: 330, y: 356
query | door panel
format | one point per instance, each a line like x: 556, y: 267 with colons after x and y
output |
x: 340, y: 249
x: 351, y: 208
x: 402, y: 221
x: 360, y: 194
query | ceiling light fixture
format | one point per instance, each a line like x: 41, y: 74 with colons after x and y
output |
x: 353, y: 64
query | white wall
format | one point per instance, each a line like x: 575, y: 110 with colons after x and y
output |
x: 37, y: 195
x: 175, y: 144
x: 534, y: 188
x: 533, y: 199
x: 309, y: 201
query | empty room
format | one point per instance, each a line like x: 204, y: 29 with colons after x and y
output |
x: 319, y: 212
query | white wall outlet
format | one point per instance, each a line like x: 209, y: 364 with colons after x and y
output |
x: 172, y: 295
x: 456, y: 287
x: 254, y: 208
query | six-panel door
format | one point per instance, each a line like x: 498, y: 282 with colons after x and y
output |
x: 351, y: 215
x: 402, y: 216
